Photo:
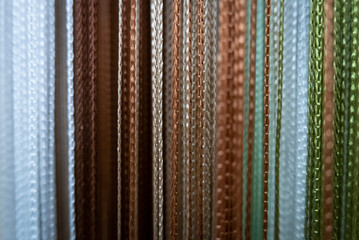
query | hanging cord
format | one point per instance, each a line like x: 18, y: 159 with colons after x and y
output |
x: 251, y: 117
x: 302, y: 115
x: 279, y: 118
x: 328, y: 117
x: 351, y: 197
x: 175, y: 119
x: 339, y: 120
x: 157, y: 124
x: 266, y: 117
x: 315, y: 131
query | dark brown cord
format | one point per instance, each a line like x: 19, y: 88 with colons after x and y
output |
x: 85, y: 66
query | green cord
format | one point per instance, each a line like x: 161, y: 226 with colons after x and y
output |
x: 339, y: 121
x: 279, y: 119
x: 315, y: 127
x: 352, y: 171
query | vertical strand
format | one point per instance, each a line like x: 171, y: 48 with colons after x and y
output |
x: 302, y: 117
x: 339, y: 118
x: 251, y: 116
x: 157, y: 124
x: 119, y: 123
x: 279, y: 118
x: 85, y: 111
x: 132, y: 122
x: 315, y: 101
x: 351, y: 196
x: 238, y: 105
x: 274, y: 35
x: 167, y: 124
x: 223, y: 45
x: 175, y: 120
x: 288, y: 127
x: 70, y: 115
x: 200, y: 106
x: 266, y: 116
x: 209, y: 114
x: 257, y: 189
x: 328, y: 117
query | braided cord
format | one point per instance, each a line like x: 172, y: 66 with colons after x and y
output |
x: 355, y: 82
x: 267, y: 43
x: 274, y: 35
x: 175, y: 120
x: 157, y: 124
x: 279, y: 118
x: 257, y: 189
x: 251, y: 116
x: 328, y: 118
x: 200, y: 113
x: 339, y: 120
x: 209, y: 113
x: 351, y: 198
x: 315, y: 101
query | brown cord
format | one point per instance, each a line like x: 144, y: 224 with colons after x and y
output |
x: 266, y: 117
x: 85, y: 66
x: 200, y: 39
x: 125, y: 120
x: 175, y: 119
x: 251, y: 117
x: 222, y: 118
x: 132, y: 113
x: 328, y: 117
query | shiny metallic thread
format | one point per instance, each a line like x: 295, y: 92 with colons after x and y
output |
x: 157, y: 124
x: 175, y: 120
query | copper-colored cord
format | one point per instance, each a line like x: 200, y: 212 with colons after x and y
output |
x: 175, y: 120
x: 251, y: 117
x: 132, y: 115
x: 221, y: 224
x: 266, y: 117
x: 328, y: 117
x: 189, y: 73
x: 200, y: 39
x: 85, y: 121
